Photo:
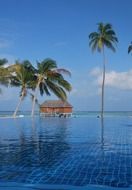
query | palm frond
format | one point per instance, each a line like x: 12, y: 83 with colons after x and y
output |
x: 130, y: 48
x: 108, y: 27
x: 50, y: 79
x: 64, y: 71
x: 44, y: 89
x: 66, y: 85
x: 54, y: 75
x: 28, y: 66
x: 57, y: 90
x: 94, y: 45
x: 3, y: 62
x: 109, y: 45
x: 46, y: 65
x: 93, y: 35
x: 104, y: 36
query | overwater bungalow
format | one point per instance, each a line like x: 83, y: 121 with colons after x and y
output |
x: 56, y: 108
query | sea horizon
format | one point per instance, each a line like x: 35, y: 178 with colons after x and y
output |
x: 76, y: 113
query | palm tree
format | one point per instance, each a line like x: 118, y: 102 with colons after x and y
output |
x: 130, y: 48
x: 50, y: 79
x: 104, y: 37
x: 21, y: 76
x: 3, y: 62
x: 3, y: 72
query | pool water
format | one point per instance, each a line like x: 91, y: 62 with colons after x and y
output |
x: 66, y: 151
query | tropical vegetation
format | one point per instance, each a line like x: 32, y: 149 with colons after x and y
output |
x: 130, y: 48
x: 46, y: 78
x: 21, y: 76
x: 3, y: 73
x: 49, y: 78
x: 105, y: 37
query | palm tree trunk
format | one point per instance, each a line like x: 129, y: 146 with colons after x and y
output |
x: 103, y: 84
x: 102, y: 132
x: 18, y: 105
x: 34, y: 98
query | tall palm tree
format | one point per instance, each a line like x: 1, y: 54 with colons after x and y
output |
x: 50, y: 79
x: 22, y: 77
x: 130, y: 48
x: 104, y: 37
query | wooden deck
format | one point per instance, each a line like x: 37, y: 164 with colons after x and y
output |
x: 56, y: 114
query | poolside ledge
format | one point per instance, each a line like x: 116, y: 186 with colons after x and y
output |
x: 22, y: 186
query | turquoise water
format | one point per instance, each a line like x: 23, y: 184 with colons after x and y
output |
x: 107, y: 113
x: 75, y: 151
x: 75, y: 113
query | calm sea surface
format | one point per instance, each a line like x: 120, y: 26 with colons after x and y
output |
x: 74, y: 151
x: 75, y: 113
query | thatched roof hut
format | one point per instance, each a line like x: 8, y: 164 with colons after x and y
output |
x: 56, y: 106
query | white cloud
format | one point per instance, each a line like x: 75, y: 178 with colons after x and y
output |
x: 119, y: 80
x: 96, y: 71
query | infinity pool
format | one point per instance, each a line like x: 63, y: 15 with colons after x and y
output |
x: 66, y: 151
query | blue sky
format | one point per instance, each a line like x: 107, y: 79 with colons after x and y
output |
x: 59, y: 29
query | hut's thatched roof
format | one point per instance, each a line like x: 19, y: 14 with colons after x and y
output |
x: 56, y: 104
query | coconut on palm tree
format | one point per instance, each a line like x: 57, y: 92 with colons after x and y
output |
x: 50, y: 79
x: 22, y: 77
x: 105, y: 37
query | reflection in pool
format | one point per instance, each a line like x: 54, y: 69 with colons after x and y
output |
x: 66, y: 151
